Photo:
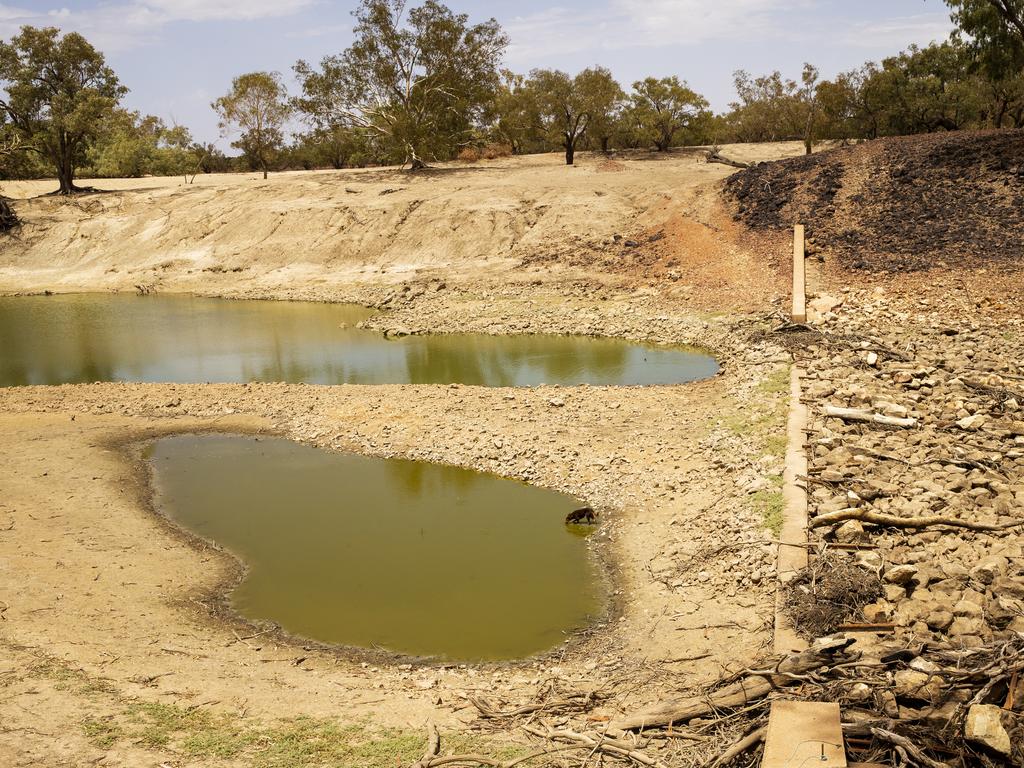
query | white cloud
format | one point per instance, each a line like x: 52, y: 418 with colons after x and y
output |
x: 896, y: 34
x: 622, y: 24
x: 208, y: 10
x: 644, y: 24
x: 134, y: 23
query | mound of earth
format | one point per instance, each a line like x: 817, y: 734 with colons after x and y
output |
x: 900, y: 204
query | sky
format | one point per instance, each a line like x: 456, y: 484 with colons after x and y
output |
x: 176, y: 56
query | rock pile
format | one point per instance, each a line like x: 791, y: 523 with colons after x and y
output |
x: 916, y: 474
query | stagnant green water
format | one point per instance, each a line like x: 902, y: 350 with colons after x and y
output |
x: 120, y: 337
x: 411, y: 557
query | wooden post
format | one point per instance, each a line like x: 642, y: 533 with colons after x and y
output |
x: 799, y: 276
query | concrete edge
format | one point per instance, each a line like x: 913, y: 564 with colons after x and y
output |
x: 792, y: 548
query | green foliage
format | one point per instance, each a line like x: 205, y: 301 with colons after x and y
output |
x: 662, y: 109
x: 59, y: 94
x: 565, y: 107
x: 257, y: 107
x: 770, y: 108
x: 417, y: 82
x: 996, y: 30
x: 133, y: 146
x: 514, y: 115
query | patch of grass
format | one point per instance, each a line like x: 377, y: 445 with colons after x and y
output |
x: 386, y: 749
x: 102, y: 732
x: 776, y: 383
x: 200, y: 733
x: 218, y: 740
x: 303, y: 741
x: 775, y: 445
x: 770, y: 504
x: 155, y: 724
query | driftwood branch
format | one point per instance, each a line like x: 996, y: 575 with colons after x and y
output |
x: 864, y: 414
x: 597, y: 743
x: 747, y: 742
x: 713, y: 155
x: 489, y: 711
x: 895, y: 521
x: 738, y: 694
x: 903, y: 743
x: 431, y: 759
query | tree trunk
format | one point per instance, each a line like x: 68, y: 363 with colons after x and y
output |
x: 67, y: 183
x: 570, y: 152
x: 66, y: 174
x: 604, y: 144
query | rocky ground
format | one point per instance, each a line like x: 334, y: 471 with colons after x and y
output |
x: 942, y: 358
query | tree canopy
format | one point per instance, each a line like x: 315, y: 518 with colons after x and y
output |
x: 257, y: 106
x: 59, y: 95
x: 662, y: 108
x: 417, y: 80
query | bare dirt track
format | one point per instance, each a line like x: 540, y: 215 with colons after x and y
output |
x: 115, y: 646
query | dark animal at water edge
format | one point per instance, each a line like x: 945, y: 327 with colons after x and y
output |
x: 582, y: 515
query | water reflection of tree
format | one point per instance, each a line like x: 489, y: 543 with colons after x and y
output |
x: 420, y: 478
x: 505, y: 361
x: 54, y: 340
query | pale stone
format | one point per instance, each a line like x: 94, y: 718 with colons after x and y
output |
x: 900, y: 574
x: 984, y: 725
x: 911, y: 684
x: 989, y: 569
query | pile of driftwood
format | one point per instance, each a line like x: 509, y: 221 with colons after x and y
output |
x: 931, y: 706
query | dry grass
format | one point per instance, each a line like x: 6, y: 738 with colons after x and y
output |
x: 827, y: 593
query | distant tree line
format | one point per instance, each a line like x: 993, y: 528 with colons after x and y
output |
x: 422, y: 84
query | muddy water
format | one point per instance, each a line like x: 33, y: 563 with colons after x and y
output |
x: 381, y: 553
x: 107, y: 337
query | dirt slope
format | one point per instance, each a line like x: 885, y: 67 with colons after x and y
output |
x: 241, y: 235
x: 902, y: 204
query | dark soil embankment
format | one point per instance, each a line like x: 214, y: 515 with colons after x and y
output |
x: 903, y: 203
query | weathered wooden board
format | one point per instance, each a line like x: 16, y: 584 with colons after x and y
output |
x: 804, y: 733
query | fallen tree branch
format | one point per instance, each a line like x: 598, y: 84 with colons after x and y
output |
x: 598, y: 743
x: 715, y: 156
x: 489, y: 711
x: 749, y: 689
x: 902, y: 742
x: 430, y: 757
x: 895, y: 521
x: 747, y: 742
x: 865, y: 414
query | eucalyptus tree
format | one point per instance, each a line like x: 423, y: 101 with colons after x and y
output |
x: 567, y: 107
x: 663, y: 108
x: 418, y: 80
x: 58, y: 93
x: 257, y: 107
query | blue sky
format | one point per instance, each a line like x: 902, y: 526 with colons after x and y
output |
x: 176, y: 56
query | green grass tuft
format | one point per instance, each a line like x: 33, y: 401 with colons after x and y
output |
x: 770, y: 505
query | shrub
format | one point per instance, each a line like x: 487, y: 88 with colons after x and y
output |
x: 495, y: 150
